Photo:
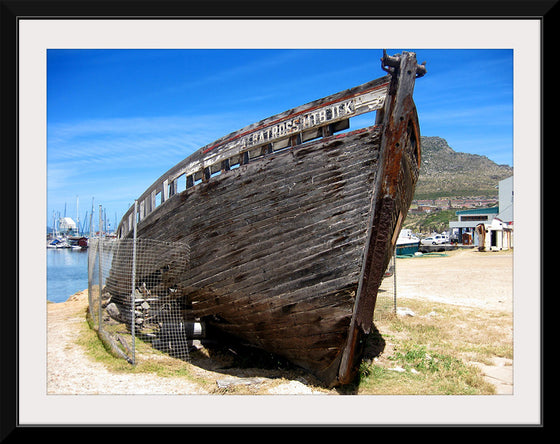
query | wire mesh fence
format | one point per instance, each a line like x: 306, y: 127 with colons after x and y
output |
x: 133, y: 290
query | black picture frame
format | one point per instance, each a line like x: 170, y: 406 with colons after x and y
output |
x: 13, y: 11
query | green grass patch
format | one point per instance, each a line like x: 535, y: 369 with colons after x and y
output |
x: 149, y: 359
x: 431, y: 352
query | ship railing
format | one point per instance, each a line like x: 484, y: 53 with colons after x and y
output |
x: 318, y: 119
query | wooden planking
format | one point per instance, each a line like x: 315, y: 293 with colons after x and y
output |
x: 337, y: 238
x: 352, y: 102
x: 206, y: 223
x: 294, y: 232
x: 217, y: 244
x: 276, y: 259
x: 245, y: 191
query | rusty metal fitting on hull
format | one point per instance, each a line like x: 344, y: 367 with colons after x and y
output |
x: 390, y: 64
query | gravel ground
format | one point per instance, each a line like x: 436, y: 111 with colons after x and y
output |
x: 477, y: 279
x: 70, y: 371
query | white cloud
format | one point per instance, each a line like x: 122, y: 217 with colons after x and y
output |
x: 115, y: 160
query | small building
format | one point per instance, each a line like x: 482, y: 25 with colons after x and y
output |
x: 426, y: 208
x: 464, y: 229
x: 67, y: 226
x: 494, y: 236
x: 444, y: 204
x: 494, y: 224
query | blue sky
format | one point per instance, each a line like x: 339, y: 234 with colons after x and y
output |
x: 118, y: 119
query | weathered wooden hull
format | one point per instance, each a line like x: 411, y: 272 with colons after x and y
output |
x: 288, y: 250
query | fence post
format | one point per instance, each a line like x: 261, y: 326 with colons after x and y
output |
x: 133, y: 285
x: 100, y: 252
x: 395, y: 280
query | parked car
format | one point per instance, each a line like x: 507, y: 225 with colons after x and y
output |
x: 436, y: 239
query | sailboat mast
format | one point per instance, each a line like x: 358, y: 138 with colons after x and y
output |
x: 77, y: 216
x: 91, y: 219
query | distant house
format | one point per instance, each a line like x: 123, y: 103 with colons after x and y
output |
x: 497, y: 235
x: 488, y: 228
x: 425, y: 202
x: 426, y: 208
x: 442, y: 203
x: 464, y: 229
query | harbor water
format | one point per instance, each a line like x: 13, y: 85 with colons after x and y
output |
x: 67, y: 273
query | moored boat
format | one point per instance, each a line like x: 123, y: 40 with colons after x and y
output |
x: 289, y: 225
x: 78, y: 242
x: 407, y: 243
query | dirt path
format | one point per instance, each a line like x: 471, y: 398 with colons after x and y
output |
x: 71, y: 371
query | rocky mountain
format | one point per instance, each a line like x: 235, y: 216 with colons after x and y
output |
x: 446, y: 173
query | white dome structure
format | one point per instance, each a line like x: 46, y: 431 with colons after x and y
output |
x: 66, y: 225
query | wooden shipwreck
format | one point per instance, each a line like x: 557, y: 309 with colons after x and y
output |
x: 290, y: 226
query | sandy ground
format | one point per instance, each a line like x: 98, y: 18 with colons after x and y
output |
x: 71, y: 371
x: 476, y: 279
x: 469, y: 278
x: 464, y: 277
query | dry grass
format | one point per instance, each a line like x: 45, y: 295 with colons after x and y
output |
x: 204, y: 366
x: 430, y: 353
x: 433, y: 351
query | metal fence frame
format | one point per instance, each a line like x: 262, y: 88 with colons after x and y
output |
x: 133, y: 293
